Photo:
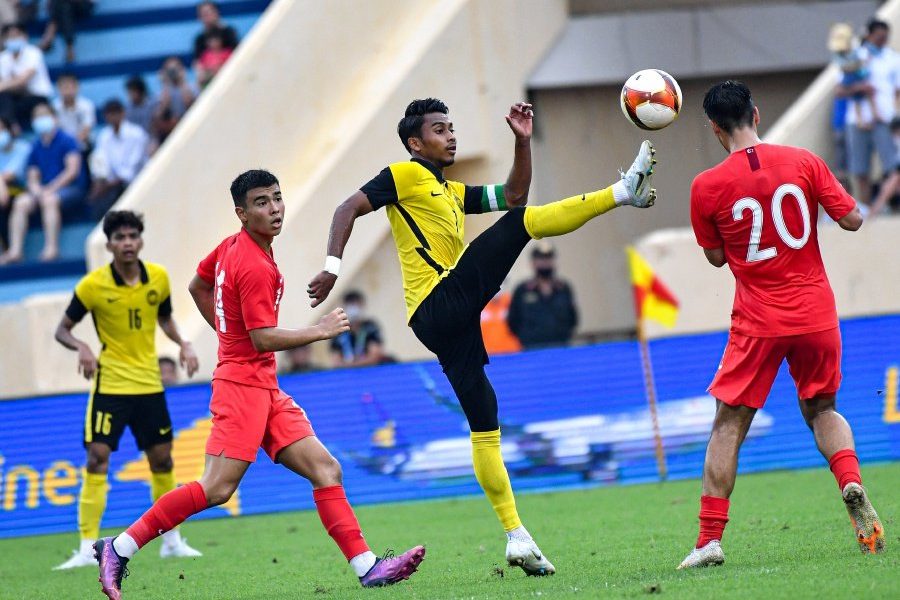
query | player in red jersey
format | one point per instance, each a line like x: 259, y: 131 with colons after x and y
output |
x: 238, y: 289
x: 757, y: 212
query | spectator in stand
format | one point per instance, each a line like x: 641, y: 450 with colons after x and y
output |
x: 300, y: 360
x: 24, y: 81
x: 13, y: 157
x: 211, y: 18
x: 77, y: 115
x: 213, y: 58
x: 119, y: 156
x: 168, y: 371
x: 140, y: 105
x: 868, y: 132
x: 543, y: 312
x: 498, y: 338
x: 891, y: 182
x: 55, y: 180
x: 362, y: 345
x: 175, y: 98
x: 63, y: 15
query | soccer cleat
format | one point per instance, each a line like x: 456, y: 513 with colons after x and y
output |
x: 710, y: 555
x: 390, y: 569
x: 83, y: 557
x: 112, y: 568
x: 526, y: 554
x: 639, y: 177
x: 869, y: 531
x: 177, y: 548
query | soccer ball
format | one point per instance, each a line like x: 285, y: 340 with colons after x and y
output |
x: 651, y: 99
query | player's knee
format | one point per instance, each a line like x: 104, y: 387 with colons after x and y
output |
x: 219, y: 492
x: 328, y: 472
x: 162, y: 464
x: 97, y: 462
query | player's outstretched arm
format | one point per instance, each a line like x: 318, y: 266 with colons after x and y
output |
x: 186, y: 355
x: 87, y: 362
x: 515, y: 190
x: 274, y: 339
x: 203, y: 295
x: 345, y: 214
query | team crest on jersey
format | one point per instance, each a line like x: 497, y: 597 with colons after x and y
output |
x: 152, y: 297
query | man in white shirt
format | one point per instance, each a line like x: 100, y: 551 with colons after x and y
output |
x: 76, y: 114
x: 868, y: 130
x: 24, y: 80
x: 118, y: 157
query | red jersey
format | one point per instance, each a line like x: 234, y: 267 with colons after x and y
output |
x: 761, y: 205
x: 248, y: 289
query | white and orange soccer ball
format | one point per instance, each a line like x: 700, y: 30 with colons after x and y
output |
x: 651, y: 99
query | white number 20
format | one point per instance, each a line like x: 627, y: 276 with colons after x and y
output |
x: 754, y: 254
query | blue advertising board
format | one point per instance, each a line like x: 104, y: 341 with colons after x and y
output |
x: 570, y: 416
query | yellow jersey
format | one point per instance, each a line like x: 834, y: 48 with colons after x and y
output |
x: 125, y: 319
x: 427, y: 217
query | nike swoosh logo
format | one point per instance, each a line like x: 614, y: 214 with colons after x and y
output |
x: 438, y: 194
x: 111, y: 300
x: 165, y: 430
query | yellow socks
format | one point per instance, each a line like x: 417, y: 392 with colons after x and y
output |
x: 91, y: 504
x: 493, y: 478
x: 161, y: 483
x: 565, y: 216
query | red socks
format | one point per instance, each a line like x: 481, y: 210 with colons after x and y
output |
x: 713, y: 517
x: 340, y: 522
x: 172, y: 509
x: 845, y: 466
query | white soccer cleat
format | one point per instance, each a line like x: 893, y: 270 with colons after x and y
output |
x: 526, y: 554
x: 177, y: 547
x: 80, y: 558
x: 710, y: 555
x: 866, y: 524
x: 639, y: 177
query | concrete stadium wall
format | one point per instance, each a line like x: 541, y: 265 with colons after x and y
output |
x: 317, y: 104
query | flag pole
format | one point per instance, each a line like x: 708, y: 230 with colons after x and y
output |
x: 650, y: 387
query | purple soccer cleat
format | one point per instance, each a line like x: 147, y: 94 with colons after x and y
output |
x: 390, y: 569
x: 112, y: 568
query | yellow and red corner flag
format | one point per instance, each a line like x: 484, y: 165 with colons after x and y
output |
x: 652, y: 299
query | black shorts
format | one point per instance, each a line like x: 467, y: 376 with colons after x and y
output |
x: 145, y: 414
x: 448, y: 321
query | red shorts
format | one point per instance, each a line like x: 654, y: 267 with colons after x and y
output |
x: 750, y: 364
x: 246, y: 418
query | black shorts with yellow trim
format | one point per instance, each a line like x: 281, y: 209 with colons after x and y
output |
x: 147, y: 415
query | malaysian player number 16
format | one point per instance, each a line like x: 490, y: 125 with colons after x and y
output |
x: 754, y: 254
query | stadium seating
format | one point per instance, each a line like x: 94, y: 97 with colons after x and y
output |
x: 121, y: 39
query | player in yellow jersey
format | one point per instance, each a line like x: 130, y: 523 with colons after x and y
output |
x: 126, y: 300
x: 447, y: 283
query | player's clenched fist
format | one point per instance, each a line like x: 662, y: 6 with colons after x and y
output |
x: 334, y: 323
x: 320, y: 286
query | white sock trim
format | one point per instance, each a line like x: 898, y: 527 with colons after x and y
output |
x: 125, y: 546
x: 620, y: 193
x: 363, y: 563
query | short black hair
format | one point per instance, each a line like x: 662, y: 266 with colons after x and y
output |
x: 67, y: 75
x: 9, y: 26
x: 875, y: 24
x: 248, y: 180
x: 136, y: 83
x: 354, y: 296
x: 411, y: 123
x: 729, y: 105
x: 117, y: 219
x: 214, y: 5
x: 45, y: 104
x: 113, y: 105
x: 167, y: 360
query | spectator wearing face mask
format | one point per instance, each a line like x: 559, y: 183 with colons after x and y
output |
x: 543, y: 311
x: 56, y: 180
x: 362, y: 345
x: 24, y: 80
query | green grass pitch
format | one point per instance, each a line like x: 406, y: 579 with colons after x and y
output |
x: 789, y: 536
